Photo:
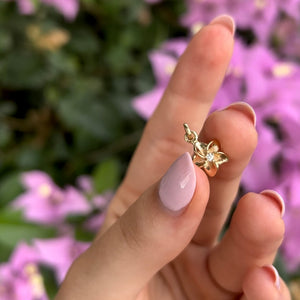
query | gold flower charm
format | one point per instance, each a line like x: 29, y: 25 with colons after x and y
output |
x: 206, y: 156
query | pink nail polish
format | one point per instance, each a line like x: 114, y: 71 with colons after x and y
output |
x: 276, y: 196
x: 245, y: 108
x: 274, y: 274
x: 178, y: 185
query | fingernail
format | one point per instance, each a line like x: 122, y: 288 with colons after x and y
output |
x: 274, y: 274
x: 178, y: 185
x: 277, y: 197
x: 245, y: 108
x: 225, y: 20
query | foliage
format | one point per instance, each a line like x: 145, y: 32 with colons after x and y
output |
x: 65, y: 92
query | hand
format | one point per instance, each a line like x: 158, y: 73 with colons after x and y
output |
x: 160, y: 237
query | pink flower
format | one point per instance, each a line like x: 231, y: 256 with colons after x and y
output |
x: 69, y: 8
x: 290, y: 190
x: 232, y: 87
x: 59, y: 253
x: 163, y: 63
x: 100, y: 203
x: 261, y: 14
x: 153, y: 1
x: 260, y: 173
x: 46, y: 203
x: 85, y: 184
x: 26, y: 7
x: 20, y: 277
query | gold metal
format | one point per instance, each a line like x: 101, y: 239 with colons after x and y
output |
x: 206, y: 156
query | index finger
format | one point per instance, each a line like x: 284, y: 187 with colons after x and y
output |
x: 188, y: 98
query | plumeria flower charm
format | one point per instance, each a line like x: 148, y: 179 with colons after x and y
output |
x: 206, y: 156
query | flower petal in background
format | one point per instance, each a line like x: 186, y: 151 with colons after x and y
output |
x: 290, y: 190
x: 260, y: 173
x: 67, y: 250
x: 20, y: 277
x: 146, y: 103
x: 46, y: 203
x: 69, y: 8
x: 163, y: 63
x: 26, y: 7
x: 100, y: 203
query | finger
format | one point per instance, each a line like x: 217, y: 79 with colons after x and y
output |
x: 264, y: 283
x: 188, y: 98
x: 234, y: 128
x: 253, y: 238
x: 164, y: 218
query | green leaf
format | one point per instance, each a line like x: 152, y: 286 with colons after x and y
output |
x: 13, y: 229
x: 5, y: 253
x: 49, y: 281
x: 5, y: 136
x: 83, y: 235
x: 280, y: 266
x: 106, y: 175
x: 10, y: 188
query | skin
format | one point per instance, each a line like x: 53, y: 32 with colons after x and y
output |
x: 144, y: 251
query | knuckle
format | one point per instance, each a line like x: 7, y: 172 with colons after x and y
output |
x: 131, y: 231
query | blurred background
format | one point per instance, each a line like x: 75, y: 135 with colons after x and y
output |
x: 79, y: 79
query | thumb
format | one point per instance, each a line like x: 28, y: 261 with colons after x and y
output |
x: 153, y: 231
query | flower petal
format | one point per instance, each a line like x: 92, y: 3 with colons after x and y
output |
x: 220, y: 158
x: 213, y: 146
x: 199, y: 161
x: 211, y: 168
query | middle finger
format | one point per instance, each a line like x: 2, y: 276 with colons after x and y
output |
x: 234, y: 128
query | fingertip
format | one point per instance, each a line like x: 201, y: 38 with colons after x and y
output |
x: 237, y: 136
x: 262, y: 283
x: 213, y: 44
x: 225, y: 21
x: 258, y: 219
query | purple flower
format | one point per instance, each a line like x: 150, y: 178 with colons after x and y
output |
x: 290, y: 190
x: 85, y: 184
x: 100, y: 203
x: 69, y: 8
x: 291, y: 8
x: 26, y: 7
x: 20, y: 277
x: 258, y: 74
x: 232, y: 89
x: 153, y: 1
x: 285, y: 112
x: 286, y: 33
x: 267, y: 82
x: 202, y: 12
x: 260, y: 173
x: 145, y: 104
x: 68, y: 250
x: 46, y: 203
x: 261, y: 14
x: 163, y: 63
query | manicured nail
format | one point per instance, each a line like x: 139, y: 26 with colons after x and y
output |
x: 178, y: 185
x: 277, y: 198
x: 245, y: 108
x: 226, y: 21
x: 274, y: 274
